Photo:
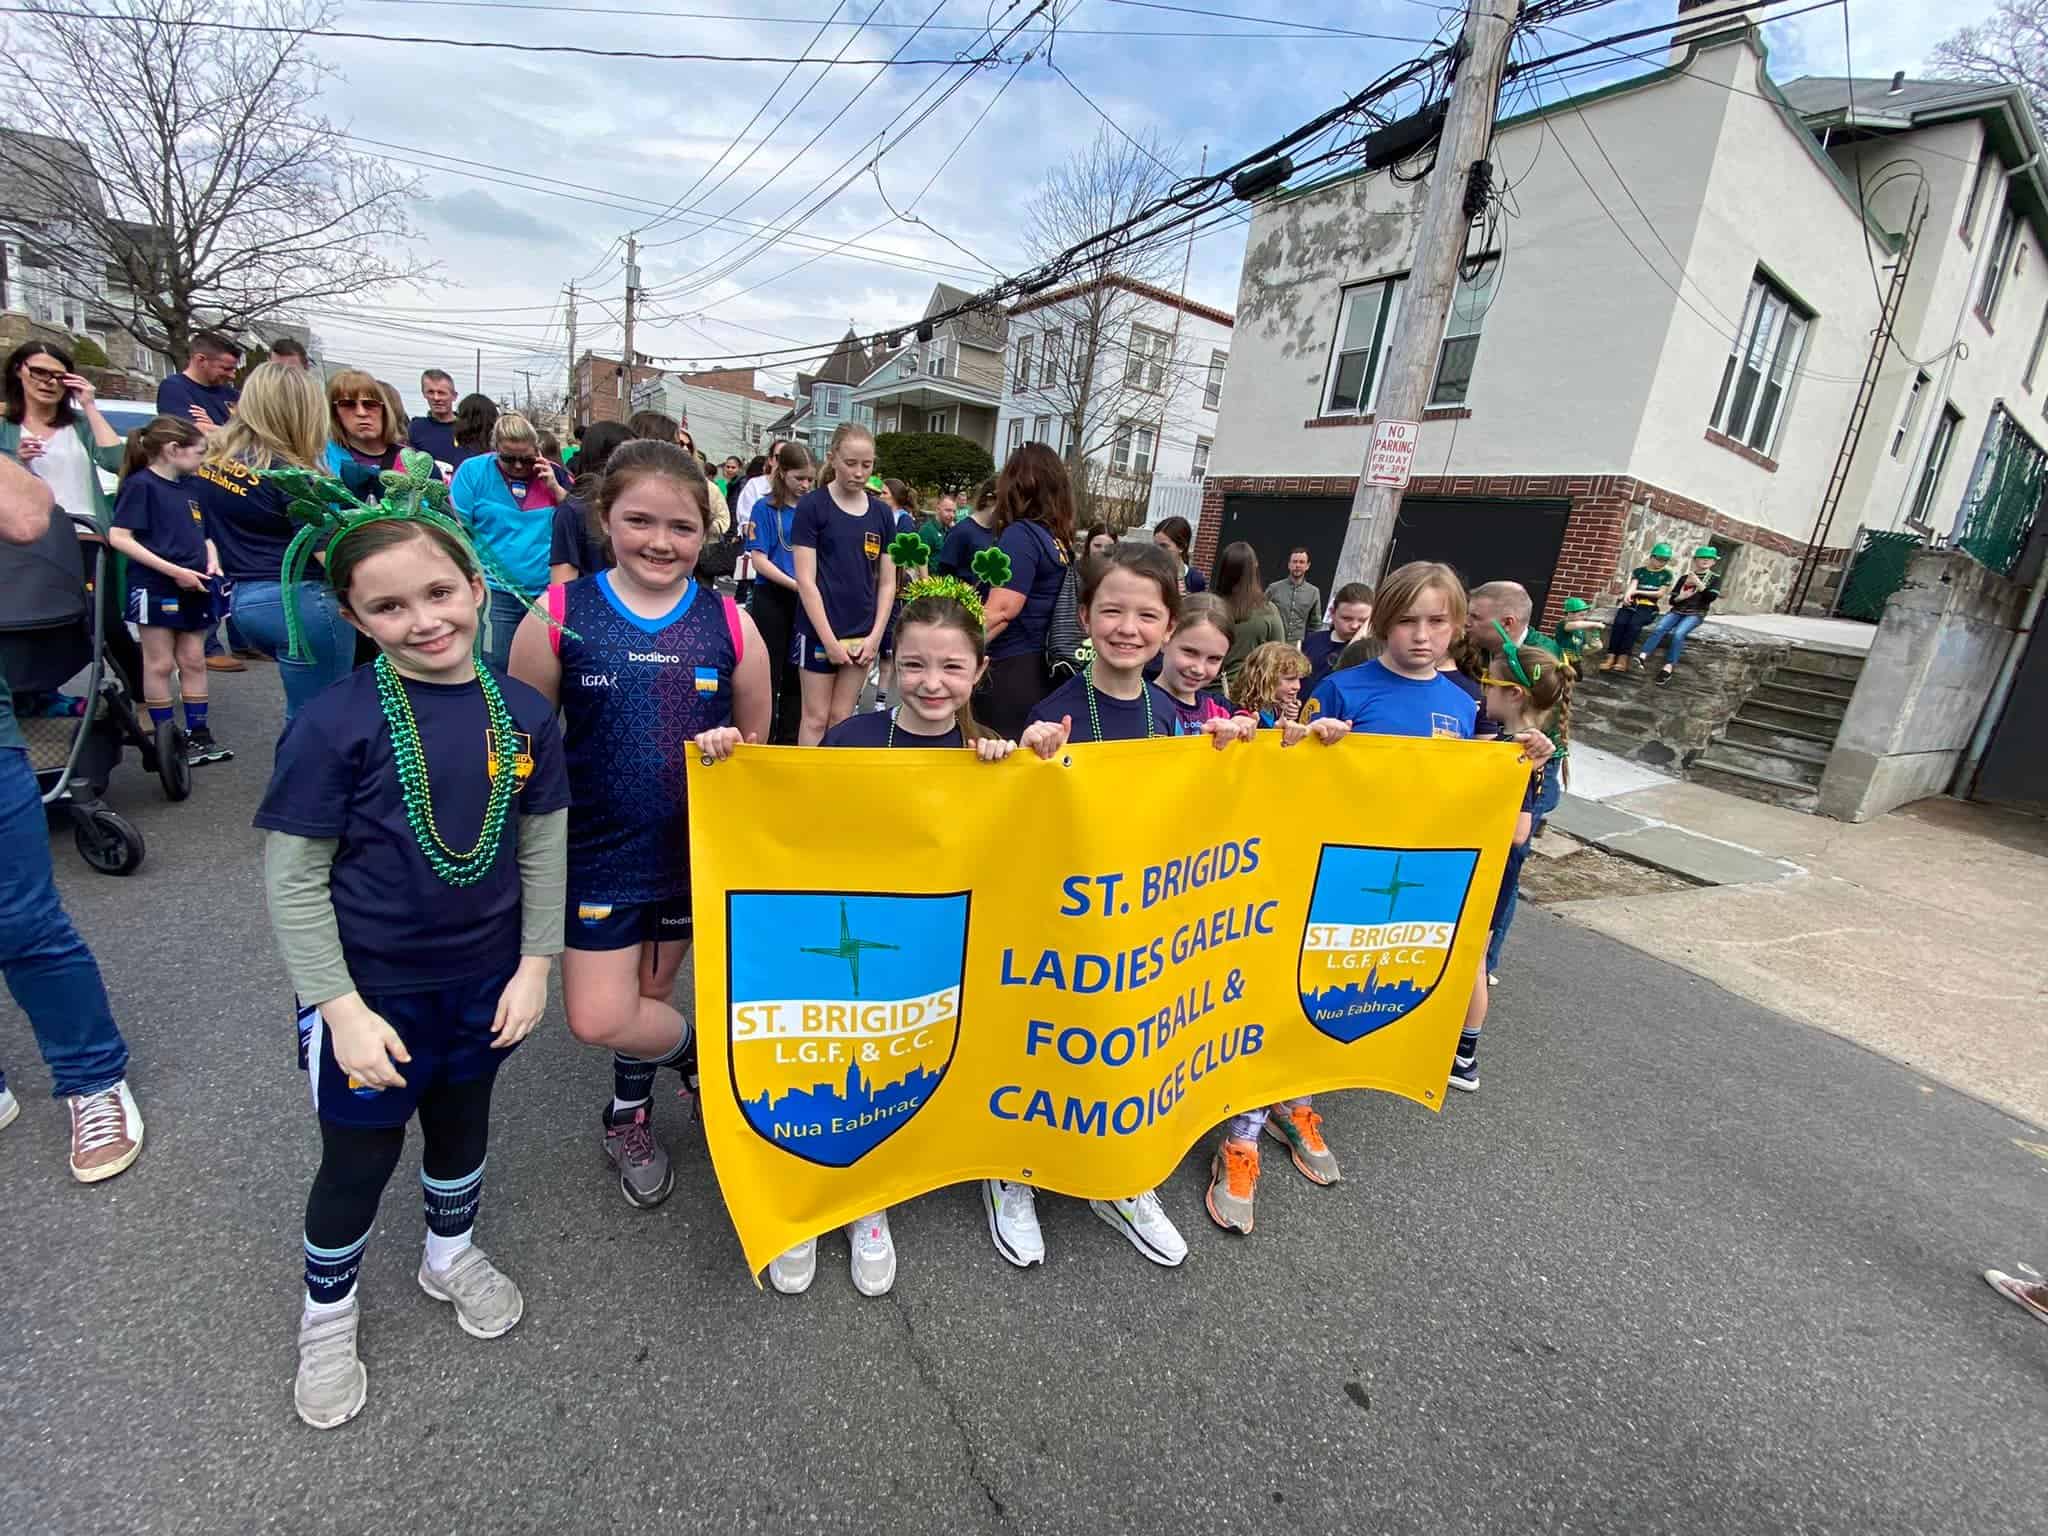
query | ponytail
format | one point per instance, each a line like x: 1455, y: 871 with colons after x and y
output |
x: 146, y: 442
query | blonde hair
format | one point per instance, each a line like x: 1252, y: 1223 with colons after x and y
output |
x: 281, y: 419
x: 512, y: 427
x: 843, y: 434
x: 1404, y: 588
x: 1257, y: 685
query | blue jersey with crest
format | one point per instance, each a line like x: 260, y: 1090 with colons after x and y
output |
x: 634, y: 693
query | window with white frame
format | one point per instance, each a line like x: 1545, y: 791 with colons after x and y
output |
x: 1024, y: 347
x: 1014, y: 439
x: 1054, y: 354
x: 1469, y: 304
x: 1365, y: 318
x: 1212, y: 386
x: 1041, y: 429
x: 1145, y: 366
x: 1998, y: 265
x: 1202, y: 447
x: 2034, y: 356
x: 1941, y: 443
x: 829, y: 400
x: 939, y: 421
x: 864, y: 414
x: 1130, y: 451
x: 1910, y: 416
x: 1976, y: 192
x: 1750, y: 406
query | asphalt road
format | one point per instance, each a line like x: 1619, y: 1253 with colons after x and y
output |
x: 1680, y: 1265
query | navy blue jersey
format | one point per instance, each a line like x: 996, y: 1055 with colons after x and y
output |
x: 1038, y: 566
x: 436, y: 437
x: 1122, y: 719
x: 1322, y: 648
x: 403, y: 928
x: 178, y: 394
x: 1380, y: 702
x: 963, y: 541
x: 872, y: 729
x: 573, y: 543
x: 635, y: 693
x: 244, y: 516
x: 165, y: 518
x: 850, y: 547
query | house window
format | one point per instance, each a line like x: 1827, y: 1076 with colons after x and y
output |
x: 938, y: 359
x: 1053, y: 355
x: 1130, y: 452
x: 1469, y: 303
x: 829, y: 401
x: 1976, y: 191
x: 1995, y: 270
x: 1364, y: 320
x: 2034, y: 357
x: 1944, y: 440
x: 1750, y: 405
x: 1910, y: 416
x: 939, y: 421
x: 1212, y: 387
x: 1041, y: 429
x: 864, y: 414
x: 1024, y: 345
x: 1015, y: 439
x: 1202, y: 447
x: 1079, y: 362
x: 1145, y: 367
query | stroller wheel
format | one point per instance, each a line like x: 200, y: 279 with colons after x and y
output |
x: 108, y: 843
x: 172, y: 766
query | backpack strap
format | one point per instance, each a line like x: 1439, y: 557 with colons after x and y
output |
x: 558, y: 603
x: 732, y: 628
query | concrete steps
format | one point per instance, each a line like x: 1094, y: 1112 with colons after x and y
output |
x: 1775, y: 747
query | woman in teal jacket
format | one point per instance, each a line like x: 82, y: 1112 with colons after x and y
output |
x: 54, y: 428
x: 507, y: 500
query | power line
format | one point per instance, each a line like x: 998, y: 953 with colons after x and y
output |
x: 1305, y: 26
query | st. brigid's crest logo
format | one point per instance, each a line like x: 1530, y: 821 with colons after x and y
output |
x: 1379, y: 933
x: 844, y: 1012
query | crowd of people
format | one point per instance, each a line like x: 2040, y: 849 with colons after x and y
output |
x: 493, y: 675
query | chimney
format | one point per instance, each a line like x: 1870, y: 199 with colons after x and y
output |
x: 1703, y: 18
x: 1898, y: 83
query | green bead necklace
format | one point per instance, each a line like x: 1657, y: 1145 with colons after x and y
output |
x: 1095, y: 714
x: 458, y: 869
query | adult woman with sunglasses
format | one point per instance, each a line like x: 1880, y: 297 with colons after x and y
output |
x: 53, y: 427
x: 364, y: 436
x: 507, y: 498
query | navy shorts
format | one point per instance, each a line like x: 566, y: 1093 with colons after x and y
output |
x: 447, y: 1031
x: 807, y: 654
x: 166, y: 605
x: 626, y: 925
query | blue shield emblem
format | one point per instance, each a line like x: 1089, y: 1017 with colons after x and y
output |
x: 845, y: 1009
x: 1380, y: 929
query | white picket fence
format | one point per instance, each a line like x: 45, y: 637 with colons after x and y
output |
x: 1175, y: 497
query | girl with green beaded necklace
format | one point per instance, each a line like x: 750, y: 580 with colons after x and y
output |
x: 417, y: 822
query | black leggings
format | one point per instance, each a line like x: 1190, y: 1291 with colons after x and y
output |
x: 1015, y: 685
x: 356, y: 1161
x: 1629, y: 622
x: 774, y: 611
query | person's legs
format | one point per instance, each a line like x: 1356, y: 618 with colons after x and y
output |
x: 501, y: 616
x: 1686, y: 624
x: 327, y: 638
x: 846, y: 684
x: 341, y: 1208
x: 620, y: 997
x: 159, y: 660
x: 455, y: 1124
x: 188, y: 651
x: 774, y: 616
x: 1465, y: 1067
x: 1664, y: 627
x: 1504, y: 905
x: 820, y: 689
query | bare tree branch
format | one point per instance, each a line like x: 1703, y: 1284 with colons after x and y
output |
x: 188, y: 168
x: 2009, y: 49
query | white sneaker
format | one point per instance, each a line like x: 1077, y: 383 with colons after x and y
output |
x: 874, y: 1254
x: 1144, y: 1221
x: 792, y: 1273
x: 1013, y: 1221
x: 9, y: 1107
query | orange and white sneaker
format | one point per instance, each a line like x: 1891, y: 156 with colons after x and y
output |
x: 1233, y: 1184
x: 1300, y: 1129
x: 106, y: 1133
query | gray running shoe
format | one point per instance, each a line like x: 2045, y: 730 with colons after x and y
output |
x: 486, y: 1301
x: 791, y: 1273
x: 874, y: 1254
x: 1299, y: 1129
x: 332, y: 1383
x: 645, y: 1177
x: 1233, y: 1184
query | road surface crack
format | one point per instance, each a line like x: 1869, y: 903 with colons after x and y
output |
x: 921, y: 1361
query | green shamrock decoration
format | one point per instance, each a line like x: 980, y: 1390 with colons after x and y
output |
x: 908, y: 551
x: 992, y: 566
x: 951, y: 588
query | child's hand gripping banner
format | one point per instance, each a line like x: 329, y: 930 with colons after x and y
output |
x: 914, y: 970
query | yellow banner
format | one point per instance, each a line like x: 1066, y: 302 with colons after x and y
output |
x: 915, y: 969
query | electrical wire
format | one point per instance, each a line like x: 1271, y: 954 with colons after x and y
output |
x: 1305, y: 26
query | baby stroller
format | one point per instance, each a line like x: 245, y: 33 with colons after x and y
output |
x: 72, y: 665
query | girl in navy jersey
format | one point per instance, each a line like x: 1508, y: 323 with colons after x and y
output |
x: 845, y: 582
x: 643, y: 661
x: 1129, y: 598
x: 171, y: 569
x: 939, y: 660
x: 1192, y: 661
x: 416, y: 819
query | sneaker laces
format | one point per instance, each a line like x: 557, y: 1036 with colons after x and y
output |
x: 1015, y: 1200
x: 1146, y: 1208
x: 1240, y: 1168
x: 869, y: 1236
x: 97, y: 1120
x: 636, y: 1139
x: 1310, y: 1124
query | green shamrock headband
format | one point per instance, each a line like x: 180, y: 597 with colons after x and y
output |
x: 910, y: 551
x: 1508, y: 649
x: 992, y: 565
x: 327, y: 512
x: 953, y: 590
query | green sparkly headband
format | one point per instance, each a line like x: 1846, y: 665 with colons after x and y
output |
x: 953, y: 589
x: 328, y: 512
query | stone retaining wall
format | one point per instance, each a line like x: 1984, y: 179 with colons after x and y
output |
x: 1667, y: 725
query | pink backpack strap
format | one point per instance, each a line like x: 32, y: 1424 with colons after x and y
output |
x: 558, y: 603
x: 732, y: 627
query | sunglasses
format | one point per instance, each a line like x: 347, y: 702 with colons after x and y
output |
x: 510, y: 462
x: 364, y: 404
x: 1504, y: 682
x: 43, y: 375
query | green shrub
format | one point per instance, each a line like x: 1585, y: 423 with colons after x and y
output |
x: 935, y: 459
x: 87, y: 353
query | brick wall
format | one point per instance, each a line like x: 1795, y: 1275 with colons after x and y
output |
x: 1598, y: 550
x: 599, y: 396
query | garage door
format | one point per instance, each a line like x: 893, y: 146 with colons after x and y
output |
x: 1484, y: 539
x: 1273, y: 525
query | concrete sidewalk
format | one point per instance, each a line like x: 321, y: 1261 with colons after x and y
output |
x: 1919, y: 934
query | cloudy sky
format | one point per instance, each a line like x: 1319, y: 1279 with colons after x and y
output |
x: 535, y: 166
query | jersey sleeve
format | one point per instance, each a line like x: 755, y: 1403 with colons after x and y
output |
x: 1324, y: 704
x: 1024, y: 554
x: 548, y: 789
x: 313, y: 779
x: 131, y: 506
x: 562, y: 542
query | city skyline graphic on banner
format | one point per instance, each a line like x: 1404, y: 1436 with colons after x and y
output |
x: 1381, y: 924
x: 844, y: 1009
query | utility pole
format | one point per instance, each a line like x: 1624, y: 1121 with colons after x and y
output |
x: 632, y: 290
x: 479, y: 370
x: 527, y: 375
x: 575, y: 411
x: 1173, y: 373
x: 1410, y: 365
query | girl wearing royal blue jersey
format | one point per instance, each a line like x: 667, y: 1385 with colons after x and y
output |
x: 1129, y: 599
x: 845, y: 582
x: 771, y: 520
x: 171, y: 569
x: 644, y: 662
x: 416, y: 820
